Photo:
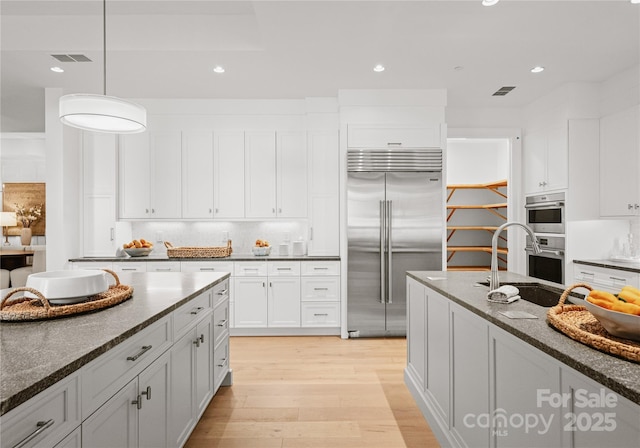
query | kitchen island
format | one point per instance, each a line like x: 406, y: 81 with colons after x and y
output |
x: 82, y: 368
x: 483, y: 379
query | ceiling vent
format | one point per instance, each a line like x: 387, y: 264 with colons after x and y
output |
x: 71, y: 58
x: 502, y: 91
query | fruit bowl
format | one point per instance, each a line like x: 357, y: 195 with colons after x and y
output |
x: 618, y: 324
x: 138, y: 251
x: 261, y: 251
x: 66, y: 287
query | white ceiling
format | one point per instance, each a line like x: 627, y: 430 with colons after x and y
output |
x: 298, y: 49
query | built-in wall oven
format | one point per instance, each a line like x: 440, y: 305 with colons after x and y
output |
x: 549, y: 263
x: 545, y: 213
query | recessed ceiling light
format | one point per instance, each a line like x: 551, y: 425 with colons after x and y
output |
x: 378, y: 68
x: 537, y: 69
x: 489, y: 2
x: 218, y: 69
x: 57, y: 69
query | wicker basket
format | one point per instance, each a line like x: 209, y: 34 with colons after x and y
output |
x: 198, y: 252
x: 578, y: 323
x: 26, y: 309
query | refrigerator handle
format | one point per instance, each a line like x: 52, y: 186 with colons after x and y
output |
x: 383, y: 224
x: 389, y: 252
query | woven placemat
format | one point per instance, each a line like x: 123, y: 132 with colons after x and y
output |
x: 28, y: 309
x: 579, y: 324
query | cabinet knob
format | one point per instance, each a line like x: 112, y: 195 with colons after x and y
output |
x: 153, y: 210
x: 147, y: 392
x: 138, y: 402
x: 273, y: 210
x: 146, y: 210
x: 217, y: 211
x: 629, y: 206
x: 637, y: 206
x: 210, y: 211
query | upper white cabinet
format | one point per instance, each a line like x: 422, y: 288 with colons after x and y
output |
x: 545, y: 159
x: 99, y: 194
x: 620, y: 163
x: 275, y: 175
x: 393, y: 136
x: 150, y: 175
x: 228, y: 174
x: 324, y: 193
x: 197, y: 174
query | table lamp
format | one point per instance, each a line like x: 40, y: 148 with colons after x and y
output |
x: 7, y: 219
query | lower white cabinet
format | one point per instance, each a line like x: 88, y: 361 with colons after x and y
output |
x: 320, y: 314
x: 612, y: 280
x: 283, y: 302
x: 73, y: 440
x: 163, y: 266
x: 250, y: 309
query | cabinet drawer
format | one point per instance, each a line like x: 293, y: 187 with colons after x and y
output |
x: 130, y: 266
x: 220, y: 322
x: 105, y: 375
x: 320, y: 314
x: 284, y: 268
x: 57, y: 406
x: 220, y: 362
x: 220, y: 292
x: 189, y: 313
x: 250, y: 269
x: 320, y: 268
x: 92, y: 265
x: 389, y: 136
x: 607, y: 279
x: 320, y: 289
x: 207, y: 266
x: 163, y: 266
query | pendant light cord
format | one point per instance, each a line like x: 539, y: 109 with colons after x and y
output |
x: 104, y: 47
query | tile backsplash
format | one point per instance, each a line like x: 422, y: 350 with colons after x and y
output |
x: 242, y: 234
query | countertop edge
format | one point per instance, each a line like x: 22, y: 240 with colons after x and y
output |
x: 620, y: 266
x: 247, y: 257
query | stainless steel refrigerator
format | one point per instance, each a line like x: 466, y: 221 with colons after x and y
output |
x: 395, y: 210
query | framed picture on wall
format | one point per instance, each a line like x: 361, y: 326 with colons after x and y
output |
x: 30, y: 197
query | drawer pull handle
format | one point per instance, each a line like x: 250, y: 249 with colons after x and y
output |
x: 223, y: 292
x: 40, y: 427
x: 320, y: 314
x: 222, y: 323
x: 618, y: 279
x: 147, y: 392
x: 283, y: 269
x: 224, y: 362
x: 202, y: 338
x: 197, y: 310
x: 197, y: 343
x: 207, y: 269
x: 163, y: 269
x: 587, y: 273
x: 129, y: 269
x: 138, y: 402
x: 320, y: 269
x: 145, y: 349
x: 321, y: 289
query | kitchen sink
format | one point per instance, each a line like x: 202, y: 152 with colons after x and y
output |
x: 538, y: 293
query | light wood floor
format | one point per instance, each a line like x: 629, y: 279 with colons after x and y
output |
x: 316, y: 392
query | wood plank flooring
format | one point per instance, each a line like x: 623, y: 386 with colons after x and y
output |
x: 314, y: 392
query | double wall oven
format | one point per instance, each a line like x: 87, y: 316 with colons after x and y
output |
x: 546, y: 217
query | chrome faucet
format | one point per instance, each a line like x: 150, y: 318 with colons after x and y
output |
x: 494, y: 281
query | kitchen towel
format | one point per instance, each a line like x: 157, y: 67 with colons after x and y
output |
x: 504, y: 294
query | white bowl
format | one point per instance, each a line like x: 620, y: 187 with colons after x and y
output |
x: 65, y: 287
x: 261, y: 251
x: 618, y: 324
x: 138, y: 251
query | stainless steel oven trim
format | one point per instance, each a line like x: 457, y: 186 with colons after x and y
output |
x: 545, y: 205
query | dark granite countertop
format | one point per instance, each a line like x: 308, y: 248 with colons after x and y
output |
x: 35, y: 355
x: 611, y: 264
x: 234, y: 257
x: 617, y: 374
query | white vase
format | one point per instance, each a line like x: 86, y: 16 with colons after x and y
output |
x: 25, y: 236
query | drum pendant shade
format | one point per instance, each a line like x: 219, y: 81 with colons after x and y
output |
x: 101, y: 113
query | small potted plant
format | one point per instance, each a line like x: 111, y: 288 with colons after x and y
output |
x: 26, y: 217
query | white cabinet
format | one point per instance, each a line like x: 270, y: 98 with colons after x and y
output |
x: 275, y: 175
x: 438, y: 368
x: 150, y: 175
x: 154, y: 408
x: 620, y: 163
x: 393, y: 136
x: 129, y: 266
x: 324, y: 193
x: 416, y: 330
x: 283, y: 302
x: 228, y: 177
x: 545, y: 159
x: 99, y: 194
x: 250, y: 302
x: 612, y: 280
x: 197, y: 174
x: 162, y: 266
x: 320, y: 293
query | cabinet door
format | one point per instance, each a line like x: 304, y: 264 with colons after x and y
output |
x: 204, y: 365
x: 324, y: 193
x: 116, y: 422
x: 393, y: 136
x: 99, y: 225
x: 197, y: 174
x: 133, y: 176
x: 260, y: 175
x: 182, y: 386
x: 153, y: 388
x: 250, y: 302
x: 228, y: 178
x: 284, y: 302
x: 534, y: 161
x: 557, y: 160
x: 291, y: 170
x: 619, y: 164
x: 166, y: 174
x: 416, y: 330
x: 437, y: 375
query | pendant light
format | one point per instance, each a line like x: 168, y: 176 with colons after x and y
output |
x: 102, y: 113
